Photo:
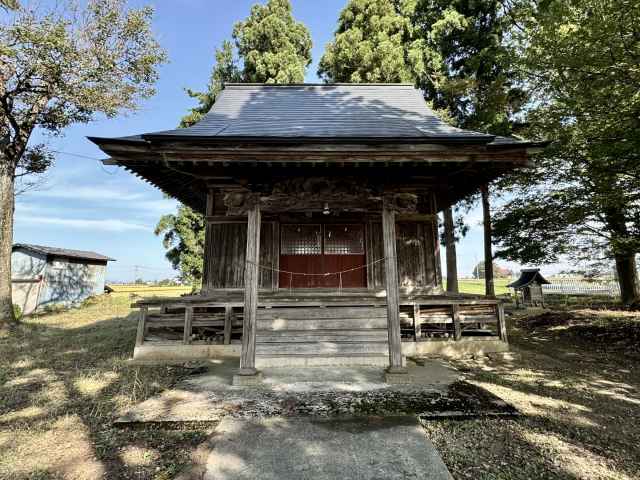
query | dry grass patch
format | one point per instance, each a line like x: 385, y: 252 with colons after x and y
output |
x: 580, y: 396
x: 63, y: 379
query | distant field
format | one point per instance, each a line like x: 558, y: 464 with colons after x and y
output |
x: 477, y: 286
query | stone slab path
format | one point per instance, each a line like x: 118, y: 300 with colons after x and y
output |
x: 323, y: 449
x: 435, y: 391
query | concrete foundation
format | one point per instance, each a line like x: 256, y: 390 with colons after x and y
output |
x: 240, y: 380
x: 454, y: 349
x: 179, y: 352
x: 149, y: 353
x: 322, y: 361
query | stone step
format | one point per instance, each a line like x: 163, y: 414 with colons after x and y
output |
x: 371, y: 360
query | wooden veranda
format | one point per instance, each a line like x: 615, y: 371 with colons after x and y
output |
x: 357, y: 319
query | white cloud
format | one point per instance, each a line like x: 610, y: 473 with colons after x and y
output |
x: 91, y: 193
x: 155, y: 207
x: 105, y: 225
x: 77, y: 201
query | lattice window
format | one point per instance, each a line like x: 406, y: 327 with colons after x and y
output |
x: 300, y: 240
x: 344, y: 239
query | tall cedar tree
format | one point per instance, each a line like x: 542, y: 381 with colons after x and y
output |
x: 58, y: 67
x: 583, y: 197
x: 375, y: 42
x: 481, y: 88
x: 269, y: 46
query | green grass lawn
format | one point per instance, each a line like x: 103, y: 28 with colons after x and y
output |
x: 467, y: 285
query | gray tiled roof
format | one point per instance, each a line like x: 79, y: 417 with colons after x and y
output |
x: 62, y: 252
x: 322, y: 111
x: 527, y: 276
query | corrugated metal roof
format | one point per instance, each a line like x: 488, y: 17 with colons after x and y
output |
x: 322, y: 111
x: 62, y: 252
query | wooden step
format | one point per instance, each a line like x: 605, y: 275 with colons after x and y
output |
x: 322, y: 313
x: 321, y: 335
x: 322, y: 348
x: 321, y: 324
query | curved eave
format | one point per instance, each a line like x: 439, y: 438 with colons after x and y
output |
x: 150, y: 139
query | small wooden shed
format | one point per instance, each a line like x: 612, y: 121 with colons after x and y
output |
x: 44, y: 276
x: 528, y: 288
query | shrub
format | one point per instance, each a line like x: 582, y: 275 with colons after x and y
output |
x: 17, y: 311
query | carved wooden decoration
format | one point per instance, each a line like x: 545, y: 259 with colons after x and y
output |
x: 316, y: 194
x: 401, y: 202
x: 239, y: 203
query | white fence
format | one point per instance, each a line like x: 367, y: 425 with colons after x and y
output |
x: 573, y: 287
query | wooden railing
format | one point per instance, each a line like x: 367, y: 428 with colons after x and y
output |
x: 423, y: 318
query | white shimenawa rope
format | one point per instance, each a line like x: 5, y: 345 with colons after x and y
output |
x: 304, y: 274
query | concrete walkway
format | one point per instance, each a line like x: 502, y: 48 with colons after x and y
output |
x: 296, y: 448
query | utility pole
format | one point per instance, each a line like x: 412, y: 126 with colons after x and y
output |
x: 136, y: 273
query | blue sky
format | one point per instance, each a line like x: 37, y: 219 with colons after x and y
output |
x: 84, y: 205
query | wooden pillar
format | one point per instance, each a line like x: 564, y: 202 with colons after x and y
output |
x: 251, y: 277
x: 206, y: 270
x: 141, y: 325
x: 502, y: 325
x: 416, y: 322
x: 488, y: 255
x: 457, y: 327
x: 450, y: 245
x: 393, y: 293
x: 188, y: 325
x: 228, y: 323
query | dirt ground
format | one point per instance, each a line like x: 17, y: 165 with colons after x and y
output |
x: 64, y: 378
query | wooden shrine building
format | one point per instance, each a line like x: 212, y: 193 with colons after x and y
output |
x: 528, y: 287
x: 322, y: 246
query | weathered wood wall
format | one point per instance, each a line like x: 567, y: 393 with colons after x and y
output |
x: 415, y: 245
x: 225, y: 252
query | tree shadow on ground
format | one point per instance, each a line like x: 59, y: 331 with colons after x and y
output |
x: 63, y: 379
x: 580, y: 410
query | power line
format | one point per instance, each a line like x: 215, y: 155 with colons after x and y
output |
x: 87, y: 158
x: 139, y: 267
x: 75, y: 155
